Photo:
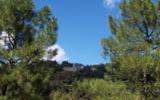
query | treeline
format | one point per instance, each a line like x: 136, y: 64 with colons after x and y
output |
x: 44, y: 80
x: 47, y: 80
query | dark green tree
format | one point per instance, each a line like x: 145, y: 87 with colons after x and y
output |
x: 29, y: 31
x: 136, y: 31
x: 134, y: 46
x: 23, y: 76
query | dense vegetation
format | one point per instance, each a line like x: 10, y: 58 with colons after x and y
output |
x: 134, y: 47
x: 132, y: 74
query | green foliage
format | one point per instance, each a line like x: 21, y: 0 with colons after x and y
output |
x: 102, y: 89
x: 139, y: 73
x: 29, y: 82
x: 29, y: 31
x: 133, y: 73
x: 96, y: 89
x: 134, y: 47
x: 58, y: 95
x: 136, y: 31
x: 23, y: 75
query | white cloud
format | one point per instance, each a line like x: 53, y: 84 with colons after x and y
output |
x: 49, y: 52
x: 111, y: 3
x: 5, y: 40
x: 61, y: 55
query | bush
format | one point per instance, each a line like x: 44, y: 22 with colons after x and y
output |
x: 101, y: 89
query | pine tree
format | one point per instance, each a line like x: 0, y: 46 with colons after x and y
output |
x: 134, y: 46
x: 29, y: 31
x: 23, y: 76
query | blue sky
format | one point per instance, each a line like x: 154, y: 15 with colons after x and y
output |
x: 82, y: 24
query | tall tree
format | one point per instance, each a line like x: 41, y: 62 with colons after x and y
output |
x: 134, y: 45
x: 28, y: 31
x: 137, y: 30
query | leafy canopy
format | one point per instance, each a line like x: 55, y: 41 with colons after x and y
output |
x: 29, y: 31
x: 134, y: 47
